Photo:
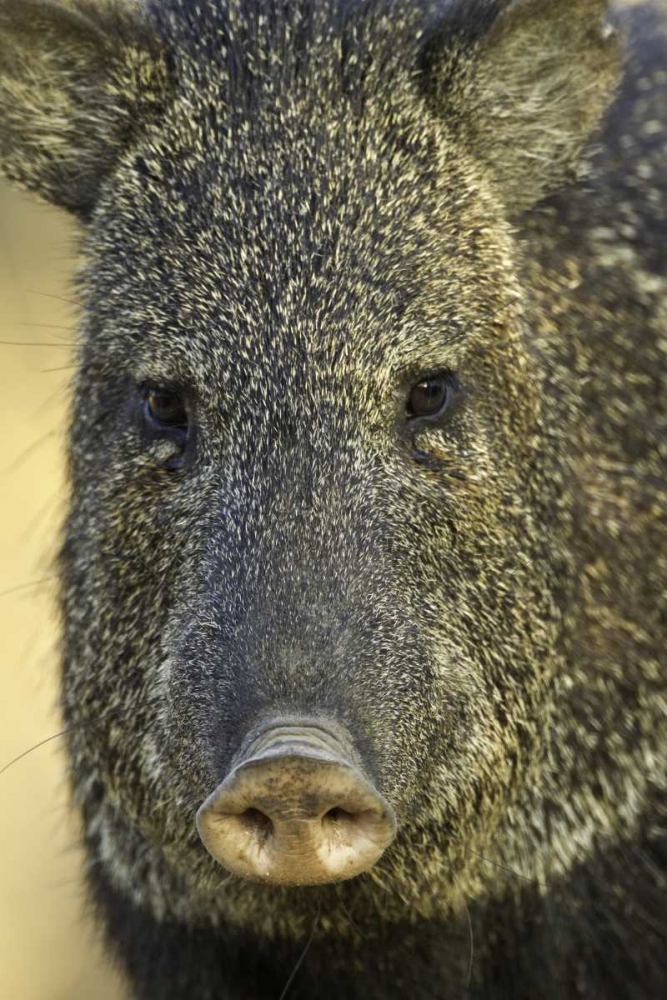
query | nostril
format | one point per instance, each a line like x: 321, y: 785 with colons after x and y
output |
x: 337, y: 815
x: 257, y: 823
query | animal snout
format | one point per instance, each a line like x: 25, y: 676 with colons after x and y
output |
x: 296, y: 812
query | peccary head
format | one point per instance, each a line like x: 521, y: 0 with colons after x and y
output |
x: 318, y: 488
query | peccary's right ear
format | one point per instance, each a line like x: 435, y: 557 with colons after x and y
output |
x: 78, y: 81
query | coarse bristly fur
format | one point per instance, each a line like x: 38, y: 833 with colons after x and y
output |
x: 292, y: 212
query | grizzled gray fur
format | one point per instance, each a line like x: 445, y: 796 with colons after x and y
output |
x: 298, y: 219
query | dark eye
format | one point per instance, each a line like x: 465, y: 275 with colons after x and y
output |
x: 166, y: 408
x: 430, y: 397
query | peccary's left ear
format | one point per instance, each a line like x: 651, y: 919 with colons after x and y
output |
x: 526, y: 92
x: 78, y: 80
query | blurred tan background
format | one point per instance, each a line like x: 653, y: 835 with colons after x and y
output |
x: 48, y: 950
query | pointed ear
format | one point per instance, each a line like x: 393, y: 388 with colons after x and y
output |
x: 526, y: 91
x: 78, y: 81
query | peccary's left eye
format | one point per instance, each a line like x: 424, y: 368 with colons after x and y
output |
x: 431, y: 397
x: 166, y: 409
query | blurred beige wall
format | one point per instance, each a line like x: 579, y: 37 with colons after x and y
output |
x: 47, y: 948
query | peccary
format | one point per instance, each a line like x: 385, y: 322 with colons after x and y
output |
x: 363, y: 579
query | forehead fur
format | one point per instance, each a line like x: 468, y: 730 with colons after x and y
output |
x: 256, y: 43
x: 297, y: 182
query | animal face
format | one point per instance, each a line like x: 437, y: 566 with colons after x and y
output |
x: 314, y: 468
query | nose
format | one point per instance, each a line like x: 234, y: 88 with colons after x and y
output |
x: 296, y: 811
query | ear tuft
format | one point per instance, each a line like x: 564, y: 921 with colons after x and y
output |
x: 527, y: 95
x: 78, y: 80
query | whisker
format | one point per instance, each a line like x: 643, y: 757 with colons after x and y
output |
x: 48, y: 326
x: 77, y: 725
x: 472, y: 946
x: 468, y: 989
x: 34, y: 343
x: 347, y: 912
x: 508, y: 871
x: 49, y: 295
x: 53, y: 399
x: 75, y: 844
x: 62, y: 884
x: 301, y: 956
x: 27, y: 452
x: 52, y: 503
x: 26, y: 586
